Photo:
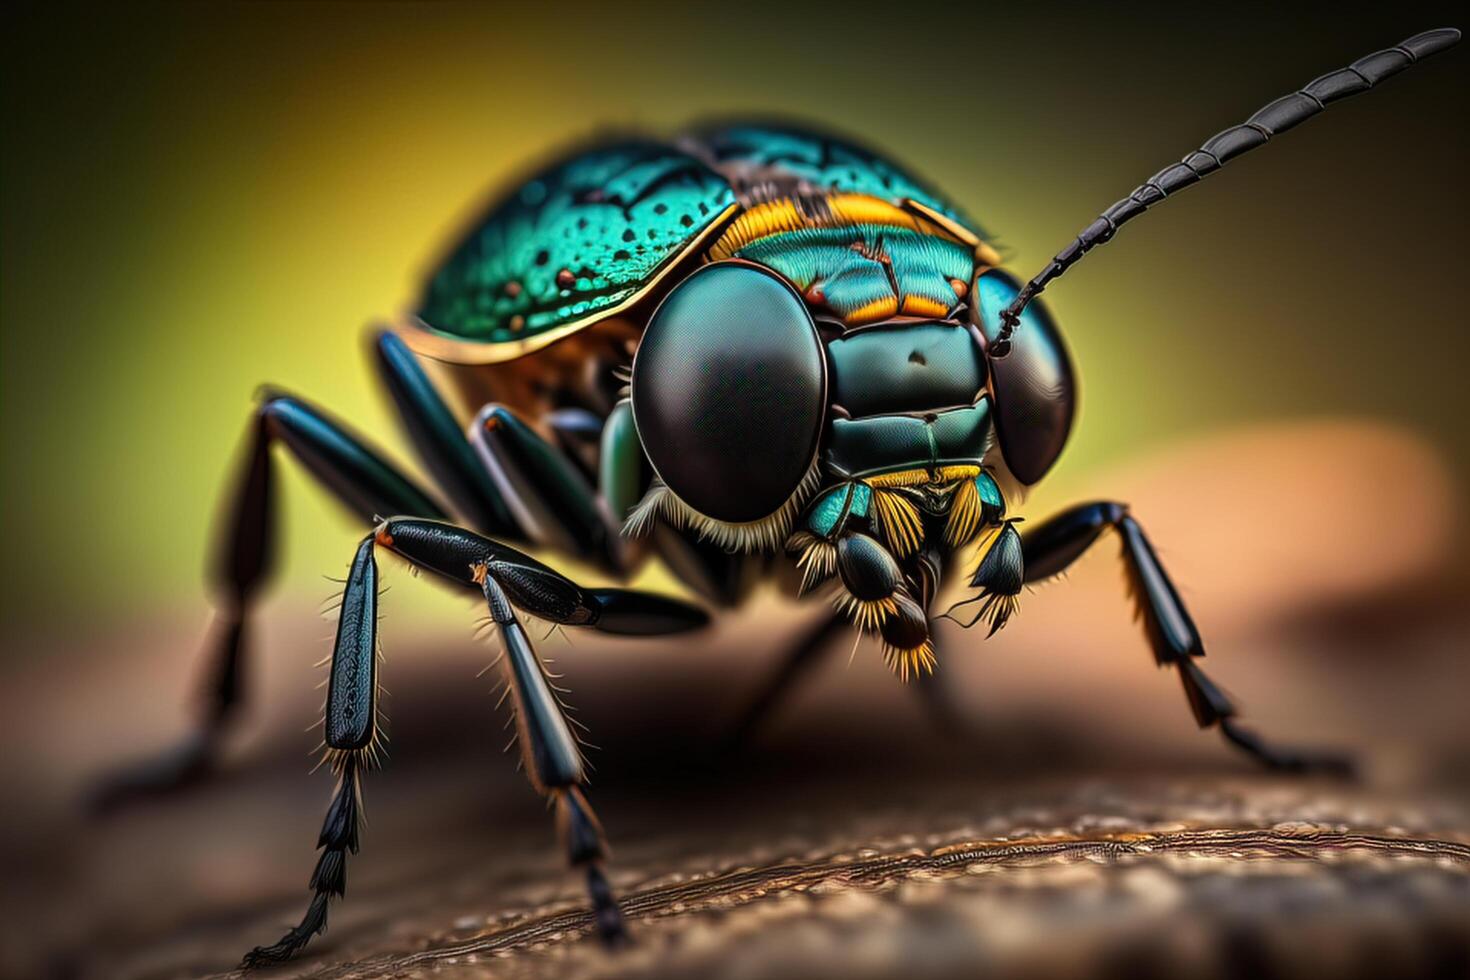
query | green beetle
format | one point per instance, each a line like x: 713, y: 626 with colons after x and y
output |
x: 754, y: 350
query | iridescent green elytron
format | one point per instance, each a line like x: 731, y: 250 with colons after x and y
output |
x: 580, y: 240
x: 576, y: 240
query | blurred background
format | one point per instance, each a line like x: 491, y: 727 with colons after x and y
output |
x: 200, y: 199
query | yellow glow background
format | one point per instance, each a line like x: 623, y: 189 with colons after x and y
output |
x: 197, y: 200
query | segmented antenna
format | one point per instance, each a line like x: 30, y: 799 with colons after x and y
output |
x: 1220, y: 149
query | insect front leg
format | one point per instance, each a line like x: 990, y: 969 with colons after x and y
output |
x: 350, y: 721
x: 506, y: 578
x: 1047, y: 549
x: 356, y: 474
x: 439, y: 440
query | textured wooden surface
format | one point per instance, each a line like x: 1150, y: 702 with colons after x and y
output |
x: 1081, y: 827
x: 1114, y: 888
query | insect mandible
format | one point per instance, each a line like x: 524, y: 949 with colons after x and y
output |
x: 751, y: 351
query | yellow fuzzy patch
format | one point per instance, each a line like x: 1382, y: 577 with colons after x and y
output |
x: 879, y: 309
x: 860, y: 209
x: 867, y: 614
x: 761, y: 221
x: 898, y: 519
x: 906, y: 663
x: 923, y: 306
x: 964, y: 514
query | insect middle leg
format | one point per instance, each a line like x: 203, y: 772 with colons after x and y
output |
x: 551, y: 500
x: 1050, y: 547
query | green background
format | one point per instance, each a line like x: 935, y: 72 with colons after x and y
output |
x: 200, y: 199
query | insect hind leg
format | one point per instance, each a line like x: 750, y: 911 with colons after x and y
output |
x: 357, y: 475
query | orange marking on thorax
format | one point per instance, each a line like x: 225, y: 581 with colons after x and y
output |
x: 840, y: 210
x: 774, y: 217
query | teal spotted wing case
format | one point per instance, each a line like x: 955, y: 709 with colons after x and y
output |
x: 578, y: 239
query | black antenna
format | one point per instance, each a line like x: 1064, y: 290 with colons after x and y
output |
x: 1220, y: 149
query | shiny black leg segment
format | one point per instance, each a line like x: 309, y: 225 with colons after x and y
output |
x: 553, y: 502
x: 456, y: 553
x: 551, y: 756
x: 1050, y: 547
x: 350, y: 724
x: 329, y: 878
x: 440, y: 442
x: 355, y: 472
x: 357, y: 475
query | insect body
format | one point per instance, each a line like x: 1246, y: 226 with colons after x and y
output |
x: 755, y: 350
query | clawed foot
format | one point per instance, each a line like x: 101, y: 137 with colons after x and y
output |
x: 1288, y: 760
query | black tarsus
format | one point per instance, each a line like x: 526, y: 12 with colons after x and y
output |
x: 1272, y: 119
x: 627, y: 612
x: 339, y: 837
x: 1051, y: 546
x: 606, y: 914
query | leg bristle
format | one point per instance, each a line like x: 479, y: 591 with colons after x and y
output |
x: 912, y: 662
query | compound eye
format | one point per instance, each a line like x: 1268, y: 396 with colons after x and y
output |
x: 1035, y: 390
x: 729, y: 393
